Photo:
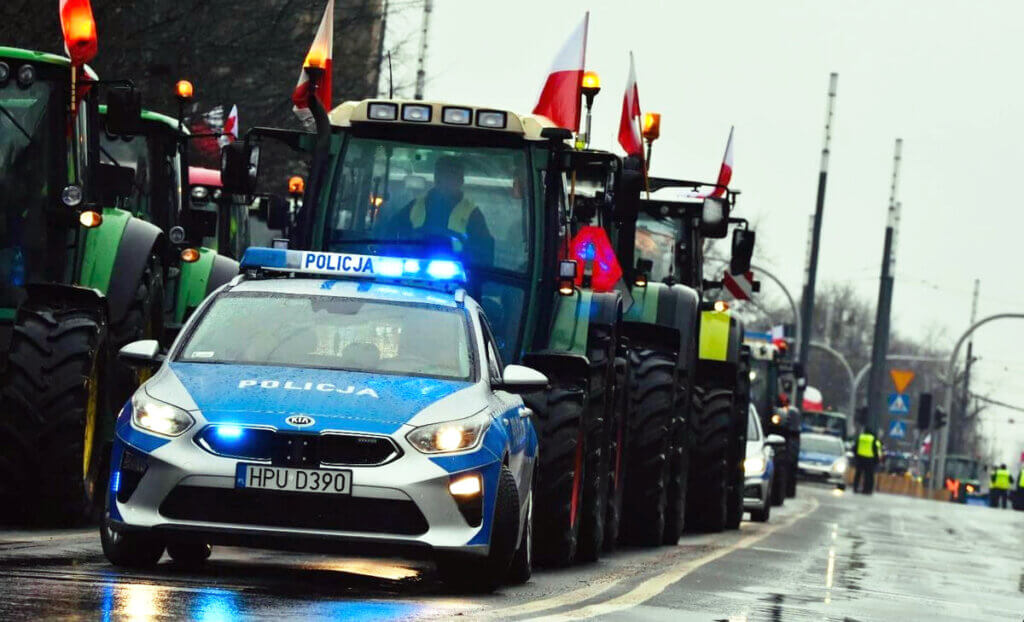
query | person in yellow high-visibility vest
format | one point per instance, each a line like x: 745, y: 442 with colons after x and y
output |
x: 999, y: 487
x: 446, y: 212
x: 866, y: 459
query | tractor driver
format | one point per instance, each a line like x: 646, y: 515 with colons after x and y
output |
x: 446, y: 211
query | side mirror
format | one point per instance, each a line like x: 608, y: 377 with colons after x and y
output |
x: 240, y: 167
x: 276, y: 212
x: 521, y: 379
x: 714, y: 217
x: 124, y: 111
x: 742, y: 251
x: 774, y: 440
x: 144, y: 353
x: 114, y: 182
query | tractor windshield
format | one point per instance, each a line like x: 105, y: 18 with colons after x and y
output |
x: 961, y: 468
x: 29, y: 175
x: 393, y: 197
x: 656, y: 242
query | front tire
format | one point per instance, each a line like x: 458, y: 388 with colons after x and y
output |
x: 52, y: 396
x: 522, y: 562
x: 479, y: 574
x: 189, y: 553
x: 130, y: 549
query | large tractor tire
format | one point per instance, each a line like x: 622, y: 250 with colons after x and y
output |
x: 600, y: 406
x: 52, y: 399
x: 618, y: 438
x: 143, y: 320
x: 560, y: 474
x: 707, y: 499
x: 648, y: 464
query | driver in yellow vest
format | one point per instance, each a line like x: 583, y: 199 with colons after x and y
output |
x: 999, y: 487
x: 446, y: 211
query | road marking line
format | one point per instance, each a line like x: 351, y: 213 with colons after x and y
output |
x: 656, y: 585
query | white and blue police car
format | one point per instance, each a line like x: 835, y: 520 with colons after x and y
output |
x: 324, y: 402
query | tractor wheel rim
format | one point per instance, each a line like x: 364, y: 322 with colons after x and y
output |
x: 91, y: 406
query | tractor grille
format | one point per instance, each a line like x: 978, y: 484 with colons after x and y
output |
x: 301, y: 450
x: 293, y: 510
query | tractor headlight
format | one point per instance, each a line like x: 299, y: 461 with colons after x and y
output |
x: 159, y: 418
x: 450, y: 436
x: 839, y: 466
x: 754, y: 466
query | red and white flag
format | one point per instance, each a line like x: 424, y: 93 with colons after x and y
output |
x: 559, y: 100
x: 629, y: 125
x: 230, y: 132
x: 319, y: 56
x: 725, y: 173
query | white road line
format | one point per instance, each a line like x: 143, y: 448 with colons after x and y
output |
x: 656, y: 585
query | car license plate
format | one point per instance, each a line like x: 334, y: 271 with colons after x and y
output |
x: 293, y: 480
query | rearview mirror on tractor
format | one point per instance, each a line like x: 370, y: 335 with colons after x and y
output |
x: 742, y: 251
x: 714, y: 217
x: 240, y: 167
x: 124, y: 111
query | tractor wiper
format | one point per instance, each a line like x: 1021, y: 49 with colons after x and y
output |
x: 14, y: 122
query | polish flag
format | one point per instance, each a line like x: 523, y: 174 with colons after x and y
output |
x: 559, y: 100
x: 319, y: 56
x: 629, y: 125
x: 725, y: 173
x: 230, y: 132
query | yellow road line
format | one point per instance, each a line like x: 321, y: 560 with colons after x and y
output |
x: 656, y: 585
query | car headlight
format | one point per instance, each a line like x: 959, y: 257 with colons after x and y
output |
x: 159, y: 418
x: 754, y: 466
x: 839, y: 466
x: 450, y: 436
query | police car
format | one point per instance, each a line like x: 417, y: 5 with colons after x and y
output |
x: 328, y: 402
x: 758, y: 467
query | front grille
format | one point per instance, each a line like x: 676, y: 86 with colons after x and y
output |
x: 299, y: 450
x: 293, y: 509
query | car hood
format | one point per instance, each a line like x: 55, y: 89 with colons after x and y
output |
x: 334, y: 400
x: 817, y: 458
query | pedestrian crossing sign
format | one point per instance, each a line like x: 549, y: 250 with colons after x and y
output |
x: 899, y: 404
x: 898, y: 429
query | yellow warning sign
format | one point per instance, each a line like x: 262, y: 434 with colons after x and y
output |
x: 901, y: 378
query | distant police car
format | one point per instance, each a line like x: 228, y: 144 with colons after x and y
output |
x: 823, y: 459
x: 352, y: 400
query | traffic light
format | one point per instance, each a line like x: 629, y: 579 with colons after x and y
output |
x: 940, y: 418
x: 924, y: 411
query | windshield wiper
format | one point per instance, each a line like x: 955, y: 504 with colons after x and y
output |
x: 14, y: 121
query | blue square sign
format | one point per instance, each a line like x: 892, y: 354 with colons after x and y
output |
x: 899, y: 404
x: 897, y: 429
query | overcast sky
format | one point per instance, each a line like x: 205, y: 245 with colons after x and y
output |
x: 943, y: 75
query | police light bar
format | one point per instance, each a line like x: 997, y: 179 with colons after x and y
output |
x: 351, y: 265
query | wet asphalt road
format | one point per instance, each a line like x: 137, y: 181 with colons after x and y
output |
x: 824, y: 556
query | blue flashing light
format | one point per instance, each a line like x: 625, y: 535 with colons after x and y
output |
x: 444, y: 269
x: 229, y: 432
x: 390, y: 267
x: 115, y: 481
x: 589, y: 252
x: 411, y: 266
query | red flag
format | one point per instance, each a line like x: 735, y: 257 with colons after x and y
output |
x: 230, y: 132
x: 320, y: 54
x: 79, y: 28
x: 725, y: 173
x: 559, y: 100
x: 629, y: 128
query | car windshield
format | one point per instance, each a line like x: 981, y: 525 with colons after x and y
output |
x: 655, y: 241
x: 829, y: 423
x: 332, y: 333
x: 27, y: 162
x: 821, y: 445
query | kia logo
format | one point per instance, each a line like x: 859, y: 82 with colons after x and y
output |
x: 300, y: 421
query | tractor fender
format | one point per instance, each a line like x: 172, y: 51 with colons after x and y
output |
x: 721, y: 337
x: 663, y: 317
x: 199, y: 279
x: 605, y: 308
x: 68, y: 295
x: 223, y: 270
x: 139, y: 240
x: 563, y: 368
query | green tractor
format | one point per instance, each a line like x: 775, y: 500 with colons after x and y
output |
x: 89, y: 260
x: 690, y: 350
x: 378, y: 169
